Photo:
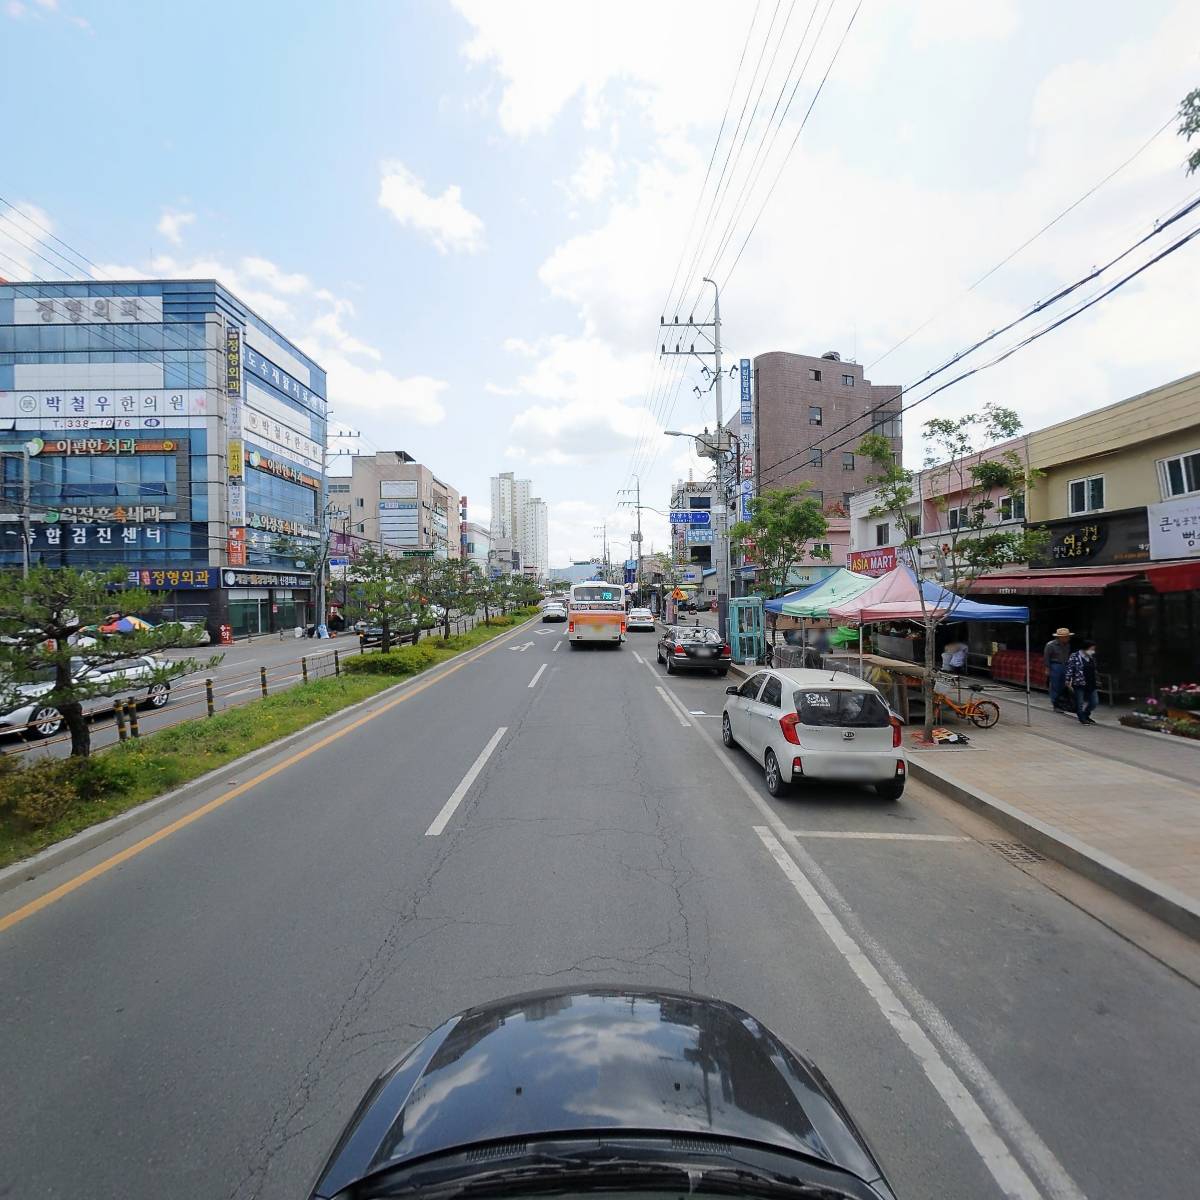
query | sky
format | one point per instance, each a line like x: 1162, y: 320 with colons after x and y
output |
x: 473, y: 213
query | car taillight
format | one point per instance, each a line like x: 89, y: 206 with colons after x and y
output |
x: 680, y: 651
x: 788, y: 724
x: 895, y: 733
x: 725, y: 649
x: 570, y: 626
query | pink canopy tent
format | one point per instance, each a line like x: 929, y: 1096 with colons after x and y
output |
x: 892, y: 597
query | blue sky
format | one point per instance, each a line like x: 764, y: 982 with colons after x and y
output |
x: 470, y: 212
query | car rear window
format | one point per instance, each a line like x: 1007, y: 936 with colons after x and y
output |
x: 842, y: 707
x: 696, y: 633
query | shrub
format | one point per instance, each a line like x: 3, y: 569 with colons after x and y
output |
x: 39, y: 794
x: 1185, y: 727
x: 408, y: 660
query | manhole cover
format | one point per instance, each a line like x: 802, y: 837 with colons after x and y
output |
x: 1017, y: 853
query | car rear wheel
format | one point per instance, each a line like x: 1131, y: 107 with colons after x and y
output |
x: 670, y: 667
x: 660, y: 658
x: 727, y: 731
x: 44, y: 723
x: 892, y: 790
x: 773, y: 775
x: 157, y: 696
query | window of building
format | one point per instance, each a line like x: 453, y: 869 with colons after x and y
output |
x: 883, y: 534
x: 815, y: 494
x: 1012, y: 508
x: 886, y: 423
x: 847, y: 460
x: 815, y: 457
x: 846, y: 500
x: 699, y: 501
x: 821, y: 550
x: 359, y: 502
x: 847, y: 380
x: 339, y: 487
x: 815, y: 376
x: 814, y: 415
x: 957, y: 518
x: 1086, y: 495
x: 1180, y: 476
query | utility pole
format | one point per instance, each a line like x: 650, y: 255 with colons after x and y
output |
x: 637, y: 555
x: 717, y: 453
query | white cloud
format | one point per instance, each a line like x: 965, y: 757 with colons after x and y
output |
x: 377, y: 395
x: 15, y: 9
x: 578, y: 432
x: 171, y: 224
x: 494, y: 389
x: 443, y: 219
x: 51, y: 5
x: 593, y: 176
x: 938, y: 22
x: 289, y: 284
x: 328, y: 326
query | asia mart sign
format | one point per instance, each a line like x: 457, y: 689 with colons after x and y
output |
x: 873, y: 562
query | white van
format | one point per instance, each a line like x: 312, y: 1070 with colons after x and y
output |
x: 825, y: 725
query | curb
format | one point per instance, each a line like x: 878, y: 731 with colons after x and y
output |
x: 1166, y: 903
x: 80, y: 843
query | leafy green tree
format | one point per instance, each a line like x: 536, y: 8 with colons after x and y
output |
x: 783, y: 525
x: 40, y: 641
x: 380, y: 593
x: 1189, y: 125
x: 964, y: 478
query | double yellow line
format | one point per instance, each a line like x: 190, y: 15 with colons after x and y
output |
x: 101, y: 868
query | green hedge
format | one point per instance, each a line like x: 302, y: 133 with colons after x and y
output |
x: 408, y: 660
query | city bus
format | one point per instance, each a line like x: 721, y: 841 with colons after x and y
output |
x: 596, y: 613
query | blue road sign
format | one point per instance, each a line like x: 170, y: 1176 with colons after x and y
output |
x: 690, y: 516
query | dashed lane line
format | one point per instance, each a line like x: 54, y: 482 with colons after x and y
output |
x: 440, y: 822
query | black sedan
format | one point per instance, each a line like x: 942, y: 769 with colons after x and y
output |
x: 603, y: 1090
x: 693, y: 648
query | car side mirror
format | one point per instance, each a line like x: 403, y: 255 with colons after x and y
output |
x: 731, y: 690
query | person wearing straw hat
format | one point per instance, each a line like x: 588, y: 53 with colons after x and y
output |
x: 1057, y: 654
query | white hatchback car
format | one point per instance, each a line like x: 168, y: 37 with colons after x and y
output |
x: 802, y: 724
x: 640, y: 618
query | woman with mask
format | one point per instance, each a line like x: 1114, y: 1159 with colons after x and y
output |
x: 1081, y: 676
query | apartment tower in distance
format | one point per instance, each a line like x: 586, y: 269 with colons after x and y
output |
x: 520, y: 529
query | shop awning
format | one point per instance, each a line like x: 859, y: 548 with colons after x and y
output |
x: 1089, y: 581
x: 1176, y: 577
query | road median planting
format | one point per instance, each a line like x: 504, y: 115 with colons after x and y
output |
x: 42, y: 803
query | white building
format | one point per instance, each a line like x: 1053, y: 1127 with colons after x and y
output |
x: 476, y: 543
x: 520, y: 527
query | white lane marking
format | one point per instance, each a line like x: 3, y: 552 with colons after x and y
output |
x: 555, y: 647
x: 544, y: 632
x: 522, y: 648
x: 1005, y: 1169
x: 639, y: 658
x: 1054, y: 1178
x: 443, y: 818
x: 537, y: 674
x: 881, y: 837
x: 667, y: 701
x: 677, y: 705
x: 240, y: 692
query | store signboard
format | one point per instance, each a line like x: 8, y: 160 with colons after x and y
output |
x: 273, y: 524
x: 233, y: 361
x: 873, y: 562
x: 235, y: 546
x: 92, y: 447
x: 398, y: 489
x: 281, y: 469
x: 1175, y: 529
x: 104, y: 405
x: 241, y: 579
x: 235, y: 501
x: 55, y: 535
x: 132, y: 514
x: 747, y: 405
x: 88, y: 310
x: 1103, y: 539
x: 173, y: 578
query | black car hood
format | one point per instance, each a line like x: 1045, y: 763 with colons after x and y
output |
x: 595, y: 1061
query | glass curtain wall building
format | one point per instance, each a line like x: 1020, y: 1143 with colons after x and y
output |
x: 168, y: 430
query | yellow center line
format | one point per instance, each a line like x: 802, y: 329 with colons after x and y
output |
x: 101, y: 868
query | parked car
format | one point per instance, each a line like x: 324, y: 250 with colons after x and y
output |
x: 552, y: 611
x: 129, y: 677
x: 205, y: 635
x: 693, y: 648
x: 640, y: 618
x: 617, y: 1091
x: 805, y: 725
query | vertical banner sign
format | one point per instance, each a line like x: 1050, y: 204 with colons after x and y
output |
x: 747, y: 463
x: 235, y: 469
x: 747, y: 404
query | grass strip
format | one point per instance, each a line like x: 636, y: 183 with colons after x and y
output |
x: 47, y: 801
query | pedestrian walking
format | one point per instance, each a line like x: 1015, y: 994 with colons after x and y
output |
x: 1056, y: 654
x: 1081, y: 675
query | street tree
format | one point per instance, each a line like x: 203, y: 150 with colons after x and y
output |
x: 379, y: 592
x: 1189, y: 125
x: 41, y: 619
x: 964, y: 476
x: 785, y: 526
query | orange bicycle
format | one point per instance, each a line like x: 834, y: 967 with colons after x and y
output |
x: 983, y: 713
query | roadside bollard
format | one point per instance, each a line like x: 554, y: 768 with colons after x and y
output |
x: 131, y: 712
x: 304, y: 668
x: 208, y: 696
x: 119, y: 711
x: 262, y: 679
x: 337, y: 663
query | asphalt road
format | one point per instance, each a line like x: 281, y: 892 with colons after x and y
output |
x: 201, y: 1017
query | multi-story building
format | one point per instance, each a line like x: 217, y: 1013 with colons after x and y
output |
x: 168, y: 430
x: 1117, y: 492
x: 477, y: 543
x: 809, y: 415
x: 520, y: 528
x: 400, y: 506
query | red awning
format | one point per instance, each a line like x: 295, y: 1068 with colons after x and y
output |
x: 1178, y: 577
x: 1087, y: 582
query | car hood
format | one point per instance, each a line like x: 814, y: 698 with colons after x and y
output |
x: 567, y: 1062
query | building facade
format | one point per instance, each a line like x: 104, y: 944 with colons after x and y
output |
x: 477, y: 544
x: 519, y: 529
x: 809, y: 414
x: 399, y: 506
x: 171, y: 432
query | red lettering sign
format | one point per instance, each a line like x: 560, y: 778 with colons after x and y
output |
x: 873, y: 562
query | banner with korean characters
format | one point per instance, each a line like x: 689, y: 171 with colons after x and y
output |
x: 103, y: 446
x: 174, y: 578
x: 122, y: 514
x: 87, y: 310
x: 46, y: 535
x: 1175, y: 529
x: 103, y: 410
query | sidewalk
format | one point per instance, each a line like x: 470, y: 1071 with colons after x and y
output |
x: 1117, y: 805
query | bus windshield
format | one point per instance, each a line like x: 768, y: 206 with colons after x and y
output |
x: 604, y: 594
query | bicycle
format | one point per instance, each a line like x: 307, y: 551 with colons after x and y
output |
x: 982, y: 713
